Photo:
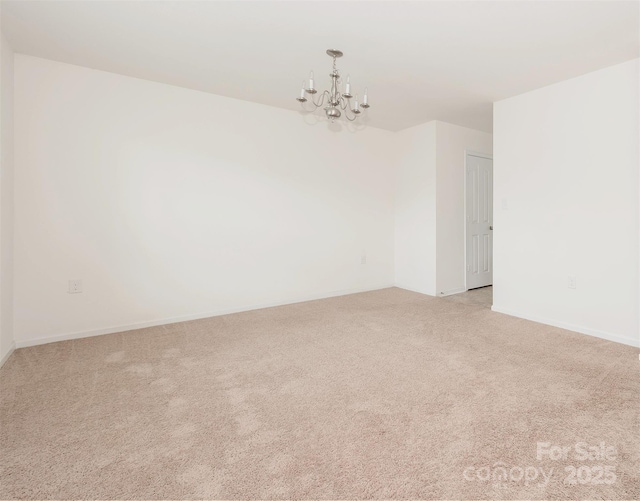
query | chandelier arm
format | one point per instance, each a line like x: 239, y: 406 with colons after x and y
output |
x: 307, y: 108
x: 311, y: 108
x: 346, y: 114
x: 314, y: 105
x: 320, y: 100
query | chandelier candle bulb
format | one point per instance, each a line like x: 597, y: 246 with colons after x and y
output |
x: 302, y: 99
x: 356, y: 106
x: 347, y: 88
x: 311, y: 80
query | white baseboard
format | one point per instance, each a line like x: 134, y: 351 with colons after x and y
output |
x: 451, y: 292
x: 400, y: 286
x: 185, y: 318
x: 6, y: 356
x: 571, y: 327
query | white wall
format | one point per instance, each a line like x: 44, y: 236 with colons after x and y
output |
x: 6, y: 200
x: 170, y: 203
x: 429, y: 233
x: 566, y: 163
x: 415, y: 209
x: 452, y: 141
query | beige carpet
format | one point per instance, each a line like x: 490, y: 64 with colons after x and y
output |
x: 385, y: 394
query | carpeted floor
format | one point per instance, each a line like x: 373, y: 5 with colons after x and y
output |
x: 384, y: 394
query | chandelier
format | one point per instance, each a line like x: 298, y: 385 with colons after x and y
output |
x: 335, y: 99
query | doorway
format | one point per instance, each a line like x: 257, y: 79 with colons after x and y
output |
x: 478, y: 220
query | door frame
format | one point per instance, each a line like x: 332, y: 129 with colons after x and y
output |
x: 489, y: 156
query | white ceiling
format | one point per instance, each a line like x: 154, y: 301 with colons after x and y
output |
x: 421, y: 61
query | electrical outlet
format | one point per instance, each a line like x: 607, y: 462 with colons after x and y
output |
x: 571, y: 282
x: 75, y: 286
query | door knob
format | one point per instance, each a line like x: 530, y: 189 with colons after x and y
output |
x: 491, y: 227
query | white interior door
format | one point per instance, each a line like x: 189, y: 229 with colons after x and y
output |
x: 479, y: 221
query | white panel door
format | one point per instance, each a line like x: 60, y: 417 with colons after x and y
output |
x: 479, y: 223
